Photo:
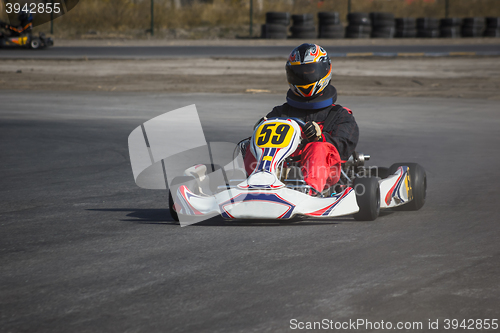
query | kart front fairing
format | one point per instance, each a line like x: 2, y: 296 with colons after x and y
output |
x: 263, y: 195
x: 280, y: 203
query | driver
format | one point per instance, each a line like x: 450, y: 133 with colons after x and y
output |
x: 25, y: 25
x: 331, y: 132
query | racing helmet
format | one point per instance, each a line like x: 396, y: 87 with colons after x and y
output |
x: 308, y: 70
x: 25, y: 17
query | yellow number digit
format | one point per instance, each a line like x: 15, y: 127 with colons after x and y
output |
x: 273, y: 135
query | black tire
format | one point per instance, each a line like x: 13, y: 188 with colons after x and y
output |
x: 275, y: 32
x: 405, y: 33
x: 356, y: 35
x: 383, y: 24
x: 304, y: 35
x: 328, y: 15
x: 450, y: 32
x: 473, y: 27
x: 427, y: 23
x: 279, y: 28
x: 174, y: 185
x: 286, y: 23
x: 329, y: 18
x: 171, y: 207
x: 278, y: 18
x: 368, y: 198
x: 493, y: 32
x: 48, y: 42
x: 276, y: 35
x: 377, y: 34
x: 331, y: 28
x: 329, y: 22
x: 450, y: 22
x: 358, y: 29
x: 434, y: 33
x: 303, y: 19
x: 300, y: 29
x: 383, y: 16
x: 407, y: 23
x: 493, y: 22
x: 384, y: 29
x: 418, y: 183
x: 474, y: 21
x: 383, y: 32
x: 380, y: 19
x: 271, y: 27
x: 331, y: 31
x: 472, y: 32
x: 35, y: 43
x: 359, y: 18
x: 380, y: 172
x: 331, y: 35
x: 362, y: 21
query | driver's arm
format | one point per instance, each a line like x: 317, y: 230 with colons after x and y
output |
x: 18, y: 29
x: 343, y: 133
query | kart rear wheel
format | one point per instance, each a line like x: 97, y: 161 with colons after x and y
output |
x: 418, y: 183
x: 373, y: 171
x: 368, y: 198
x: 189, y: 181
x: 35, y: 43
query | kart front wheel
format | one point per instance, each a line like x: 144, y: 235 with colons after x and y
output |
x: 368, y: 198
x: 189, y: 181
x: 171, y: 207
x: 418, y: 182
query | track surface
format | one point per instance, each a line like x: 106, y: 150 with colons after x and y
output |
x: 83, y: 249
x: 121, y: 52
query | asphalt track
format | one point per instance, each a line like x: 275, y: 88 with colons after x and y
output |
x: 159, y: 52
x: 83, y: 249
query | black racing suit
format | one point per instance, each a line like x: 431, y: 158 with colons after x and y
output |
x: 340, y: 129
x: 15, y: 31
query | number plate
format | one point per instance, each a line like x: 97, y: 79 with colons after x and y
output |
x: 273, y: 135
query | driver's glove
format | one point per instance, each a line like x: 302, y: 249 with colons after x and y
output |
x: 312, y: 131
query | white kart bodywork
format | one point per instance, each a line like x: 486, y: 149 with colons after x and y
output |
x: 395, y: 190
x: 282, y: 203
x: 264, y: 196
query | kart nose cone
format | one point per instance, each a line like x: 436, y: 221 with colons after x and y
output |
x: 262, y: 180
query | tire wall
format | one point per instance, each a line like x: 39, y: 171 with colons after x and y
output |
x: 399, y: 8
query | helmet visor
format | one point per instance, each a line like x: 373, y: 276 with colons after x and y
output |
x: 307, y: 73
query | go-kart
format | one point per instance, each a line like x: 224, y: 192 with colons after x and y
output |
x: 27, y: 40
x: 276, y: 188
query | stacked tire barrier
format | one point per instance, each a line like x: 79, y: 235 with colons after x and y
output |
x: 276, y: 25
x: 427, y: 27
x: 303, y: 26
x: 492, y: 27
x: 383, y: 25
x: 377, y: 25
x: 450, y: 27
x: 329, y: 25
x: 360, y: 25
x: 406, y: 27
x: 473, y: 26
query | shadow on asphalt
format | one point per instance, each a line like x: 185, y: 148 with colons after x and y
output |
x: 162, y: 216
